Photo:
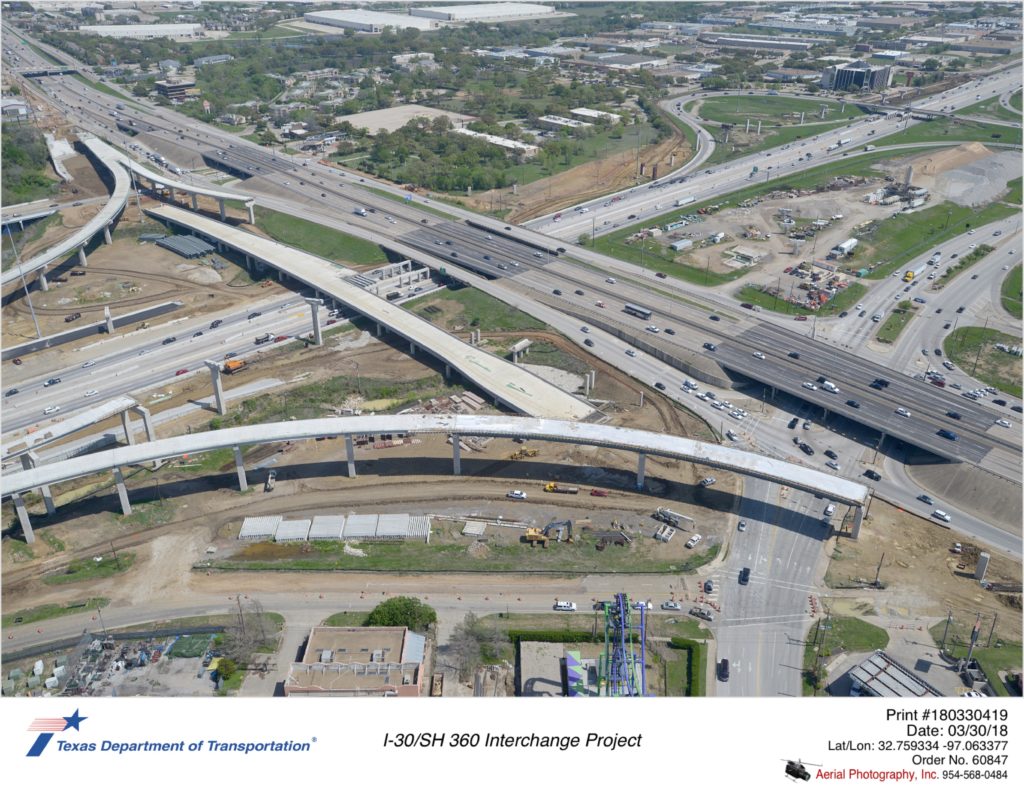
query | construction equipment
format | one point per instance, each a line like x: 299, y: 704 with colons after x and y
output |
x: 535, y: 537
x: 559, y: 488
x: 232, y: 366
x: 562, y: 531
x: 524, y: 453
x: 670, y: 518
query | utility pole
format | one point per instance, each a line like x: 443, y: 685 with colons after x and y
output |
x: 945, y: 631
x: 879, y: 569
x: 28, y: 298
x: 241, y: 618
x: 988, y: 643
x: 981, y: 346
x: 117, y: 560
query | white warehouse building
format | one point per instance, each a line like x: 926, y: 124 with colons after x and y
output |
x: 368, y: 21
x: 484, y: 12
x: 143, y: 31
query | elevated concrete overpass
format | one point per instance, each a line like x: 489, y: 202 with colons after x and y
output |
x: 117, y: 163
x: 507, y: 383
x: 643, y: 443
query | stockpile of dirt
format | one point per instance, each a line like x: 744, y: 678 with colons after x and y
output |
x: 948, y: 159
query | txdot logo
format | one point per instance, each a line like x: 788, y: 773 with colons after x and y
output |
x: 50, y: 726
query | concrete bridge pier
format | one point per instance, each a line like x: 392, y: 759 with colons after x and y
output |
x: 106, y: 235
x: 447, y: 371
x: 108, y: 319
x: 412, y: 349
x: 220, y: 207
x: 380, y: 330
x: 129, y: 429
x: 29, y: 461
x: 250, y: 204
x: 82, y: 260
x: 218, y: 387
x: 456, y: 455
x: 350, y: 455
x: 22, y: 512
x: 243, y: 483
x: 195, y: 201
x: 41, y: 279
x: 858, y: 517
x: 314, y: 309
x: 122, y: 492
x: 641, y: 463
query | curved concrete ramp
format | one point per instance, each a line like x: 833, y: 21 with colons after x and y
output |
x: 642, y: 442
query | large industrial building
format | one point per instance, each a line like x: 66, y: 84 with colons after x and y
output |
x: 856, y: 76
x: 484, y: 12
x: 369, y: 21
x: 359, y: 662
x: 143, y: 31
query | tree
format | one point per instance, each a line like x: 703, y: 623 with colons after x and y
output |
x: 402, y: 611
x: 226, y: 668
x: 931, y: 64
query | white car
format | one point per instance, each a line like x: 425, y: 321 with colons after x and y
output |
x: 584, y: 328
x: 516, y: 494
x: 694, y: 540
x: 642, y: 605
x: 88, y: 363
x: 1003, y: 423
x: 742, y: 526
x: 830, y: 509
x: 859, y: 307
x: 809, y: 386
x: 759, y: 355
x: 671, y: 605
x: 610, y: 280
x: 631, y: 352
x: 51, y: 409
x: 833, y: 465
x: 902, y: 412
x: 653, y: 328
x: 91, y: 393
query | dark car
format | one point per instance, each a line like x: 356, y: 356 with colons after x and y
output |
x: 169, y: 339
x: 1017, y: 408
x: 587, y: 342
x: 53, y: 381
x: 945, y: 433
x: 793, y: 422
x: 961, y: 309
x: 72, y: 317
x: 806, y: 448
x: 197, y: 334
x: 723, y: 670
x: 999, y: 402
x: 660, y: 274
x: 713, y: 317
x: 659, y: 385
x: 744, y: 576
x: 669, y: 331
x: 854, y: 404
x: 557, y: 292
x: 795, y: 355
x: 924, y: 498
x: 872, y: 475
x: 710, y: 346
x: 578, y: 293
x: 216, y: 323
x: 880, y: 384
x: 844, y: 314
x: 11, y: 392
x: 938, y: 352
x: 254, y: 314
x: 832, y: 454
x: 709, y: 586
x: 862, y: 314
x: 954, y: 415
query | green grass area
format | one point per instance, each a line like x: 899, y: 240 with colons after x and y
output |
x: 32, y: 233
x: 89, y: 568
x: 277, y: 31
x: 651, y: 255
x: 999, y: 656
x: 677, y: 679
x: 479, y: 310
x: 895, y: 241
x: 973, y: 350
x: 544, y: 353
x: 319, y: 399
x: 963, y: 263
x: 895, y: 323
x: 844, y: 634
x: 190, y: 646
x: 1010, y: 292
x: 990, y: 108
x: 952, y: 129
x: 843, y: 300
x: 25, y: 168
x: 1015, y: 101
x: 318, y: 239
x: 149, y: 513
x: 1014, y: 195
x: 45, y: 55
x: 44, y: 612
x: 104, y: 88
x: 346, y: 618
x: 641, y: 556
x: 209, y: 461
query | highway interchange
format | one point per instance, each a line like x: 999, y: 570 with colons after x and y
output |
x: 764, y: 622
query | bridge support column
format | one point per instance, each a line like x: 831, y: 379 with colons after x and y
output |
x: 129, y: 430
x: 350, y: 455
x: 456, y: 455
x: 412, y: 349
x: 195, y: 201
x: 243, y: 484
x: 82, y: 260
x: 447, y: 371
x: 122, y: 492
x: 220, y: 207
x: 22, y: 512
x: 218, y: 387
x: 252, y: 214
x: 641, y: 463
x: 173, y: 197
x: 41, y: 279
x: 314, y: 309
x: 29, y: 461
x: 147, y: 421
x: 380, y: 330
x: 858, y: 517
x: 109, y: 319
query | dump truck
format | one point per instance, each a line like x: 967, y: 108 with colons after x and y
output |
x: 266, y: 337
x: 231, y: 366
x: 559, y: 488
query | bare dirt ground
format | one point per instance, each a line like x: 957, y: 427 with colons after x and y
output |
x: 589, y: 180
x: 921, y: 574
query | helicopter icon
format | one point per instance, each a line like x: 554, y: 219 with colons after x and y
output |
x: 797, y: 770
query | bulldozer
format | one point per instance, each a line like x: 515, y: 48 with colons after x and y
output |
x: 535, y: 537
x: 523, y: 453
